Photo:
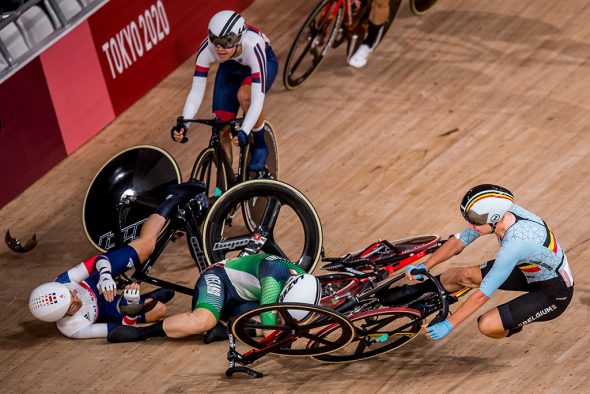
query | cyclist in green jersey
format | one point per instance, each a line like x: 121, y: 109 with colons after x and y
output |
x: 226, y: 289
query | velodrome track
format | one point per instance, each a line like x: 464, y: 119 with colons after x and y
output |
x: 371, y: 150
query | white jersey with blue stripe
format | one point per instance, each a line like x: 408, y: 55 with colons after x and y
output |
x: 253, y: 55
x: 528, y: 244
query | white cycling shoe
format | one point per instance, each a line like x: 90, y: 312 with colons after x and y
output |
x: 360, y: 57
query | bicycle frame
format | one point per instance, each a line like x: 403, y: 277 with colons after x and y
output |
x: 281, y: 340
x: 221, y: 158
x: 187, y: 221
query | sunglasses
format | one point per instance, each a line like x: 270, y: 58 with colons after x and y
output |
x: 228, y: 41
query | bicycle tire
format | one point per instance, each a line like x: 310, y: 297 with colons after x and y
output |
x: 218, y: 243
x: 322, y: 319
x: 369, y: 327
x: 147, y: 171
x: 362, y: 26
x: 251, y: 211
x: 203, y: 169
x: 292, y: 64
x: 420, y: 7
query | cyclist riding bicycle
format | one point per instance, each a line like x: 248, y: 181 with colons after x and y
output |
x: 247, y: 70
x: 83, y: 301
x: 530, y: 259
x: 228, y: 288
x: 378, y: 16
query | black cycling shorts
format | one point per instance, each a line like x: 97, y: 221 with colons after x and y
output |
x: 544, y: 300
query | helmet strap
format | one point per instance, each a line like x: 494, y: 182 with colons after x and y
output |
x: 493, y: 227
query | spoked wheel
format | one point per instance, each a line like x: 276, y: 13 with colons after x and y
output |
x: 312, y: 42
x: 205, y: 169
x: 254, y: 208
x: 335, y: 286
x: 282, y: 322
x: 377, y: 332
x: 420, y: 7
x: 142, y: 173
x: 360, y: 25
x: 289, y: 227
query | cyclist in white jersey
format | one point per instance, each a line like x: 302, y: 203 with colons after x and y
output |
x: 247, y: 70
x: 529, y: 260
x: 83, y: 301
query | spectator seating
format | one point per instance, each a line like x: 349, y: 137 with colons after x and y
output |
x: 14, y: 41
x: 36, y: 25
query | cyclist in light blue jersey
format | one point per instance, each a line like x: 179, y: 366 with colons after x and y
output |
x: 530, y: 259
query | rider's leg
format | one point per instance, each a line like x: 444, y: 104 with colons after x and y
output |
x: 145, y: 244
x: 457, y: 278
x: 259, y: 152
x: 225, y: 101
x: 184, y: 324
x: 452, y: 280
x: 490, y: 325
x: 537, y: 305
x: 378, y: 16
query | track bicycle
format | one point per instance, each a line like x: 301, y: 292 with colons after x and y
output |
x: 329, y: 24
x: 129, y: 187
x: 361, y: 270
x: 326, y: 332
x: 214, y: 167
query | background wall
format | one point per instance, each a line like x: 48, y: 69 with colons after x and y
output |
x: 71, y: 91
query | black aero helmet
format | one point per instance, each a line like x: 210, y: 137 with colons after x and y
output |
x: 486, y: 204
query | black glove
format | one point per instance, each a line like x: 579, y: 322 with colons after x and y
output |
x: 179, y: 127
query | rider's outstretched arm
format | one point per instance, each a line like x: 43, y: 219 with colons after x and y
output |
x: 449, y: 249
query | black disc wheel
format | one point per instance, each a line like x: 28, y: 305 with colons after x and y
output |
x: 377, y: 332
x: 254, y: 208
x: 420, y: 7
x: 274, y: 324
x: 289, y: 226
x: 141, y: 174
x: 205, y: 169
x: 312, y: 43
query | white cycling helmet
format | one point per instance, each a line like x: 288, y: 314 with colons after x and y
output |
x: 486, y: 204
x: 226, y: 29
x: 50, y: 301
x: 305, y: 289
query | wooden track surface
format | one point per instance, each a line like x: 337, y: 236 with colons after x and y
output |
x: 373, y: 150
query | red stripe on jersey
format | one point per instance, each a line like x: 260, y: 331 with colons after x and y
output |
x: 89, y: 264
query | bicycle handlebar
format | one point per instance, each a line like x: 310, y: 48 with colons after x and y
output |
x: 441, y: 292
x: 213, y: 122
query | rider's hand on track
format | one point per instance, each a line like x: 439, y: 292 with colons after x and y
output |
x: 409, y: 270
x: 107, y: 287
x: 439, y: 330
x: 241, y: 138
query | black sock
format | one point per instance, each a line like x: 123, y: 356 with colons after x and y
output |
x: 373, y: 35
x: 153, y: 330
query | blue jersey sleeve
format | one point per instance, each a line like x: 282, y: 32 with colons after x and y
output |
x: 506, y: 259
x: 468, y: 236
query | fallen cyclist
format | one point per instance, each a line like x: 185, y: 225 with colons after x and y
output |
x: 83, y: 301
x: 226, y: 289
x: 530, y: 260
